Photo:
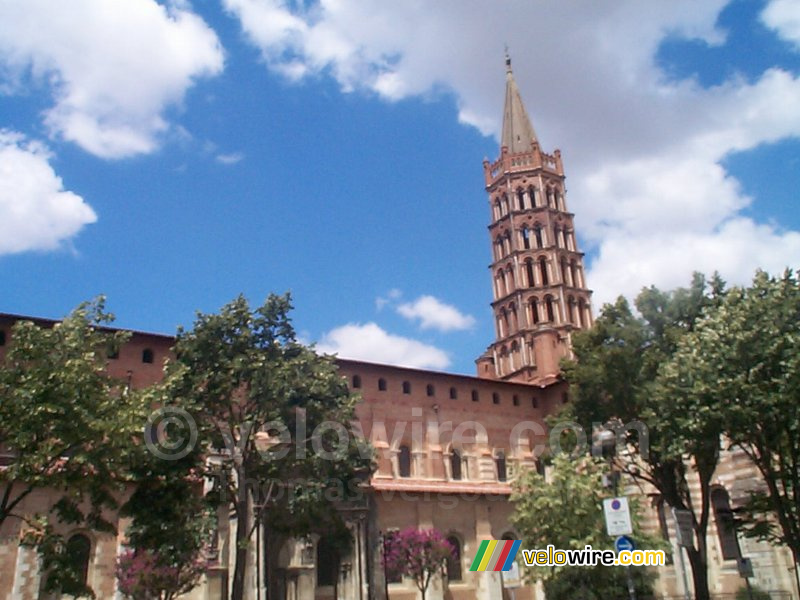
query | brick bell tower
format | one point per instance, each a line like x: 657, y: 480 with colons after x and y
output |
x: 540, y: 293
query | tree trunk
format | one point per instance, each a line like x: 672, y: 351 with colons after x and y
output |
x: 697, y: 560
x: 242, y: 508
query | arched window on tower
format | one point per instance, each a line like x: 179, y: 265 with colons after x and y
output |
x: 548, y: 303
x: 534, y: 304
x: 573, y: 267
x: 529, y: 273
x: 533, y: 194
x: 565, y: 272
x: 521, y: 198
x: 723, y: 518
x: 526, y: 237
x: 571, y: 306
x: 504, y: 204
x: 514, y: 354
x: 498, y: 248
x: 510, y: 279
x: 569, y: 234
x: 404, y: 461
x: 543, y: 271
x: 537, y: 232
x: 497, y: 212
x: 557, y: 235
x: 501, y: 283
x: 581, y: 313
x: 550, y: 197
x: 456, y: 465
x: 454, y: 559
x: 512, y: 312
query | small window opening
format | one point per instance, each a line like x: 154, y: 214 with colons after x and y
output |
x: 500, y: 463
x: 404, y: 461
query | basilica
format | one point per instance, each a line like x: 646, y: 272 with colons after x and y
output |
x: 448, y: 447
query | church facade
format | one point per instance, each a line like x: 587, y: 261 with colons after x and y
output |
x: 448, y: 446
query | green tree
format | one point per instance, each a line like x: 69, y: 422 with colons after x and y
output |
x: 68, y: 426
x: 277, y: 413
x: 742, y: 364
x: 566, y: 510
x: 613, y: 381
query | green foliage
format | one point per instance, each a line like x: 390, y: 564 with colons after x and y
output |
x: 597, y: 583
x: 740, y: 368
x: 58, y: 560
x: 69, y: 426
x: 272, y: 409
x: 566, y: 510
x: 617, y: 378
x: 758, y: 594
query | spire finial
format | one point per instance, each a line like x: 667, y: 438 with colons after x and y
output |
x: 518, y: 133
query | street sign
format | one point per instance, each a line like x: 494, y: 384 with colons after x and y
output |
x: 618, y: 516
x: 745, y: 567
x: 511, y: 578
x: 684, y: 532
x: 623, y: 542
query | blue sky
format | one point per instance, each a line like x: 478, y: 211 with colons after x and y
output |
x: 173, y: 155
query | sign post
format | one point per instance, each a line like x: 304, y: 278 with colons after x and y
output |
x: 623, y: 542
x: 618, y: 523
x: 511, y: 579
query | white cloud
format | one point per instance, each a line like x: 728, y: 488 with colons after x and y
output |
x: 112, y: 69
x: 435, y: 314
x: 643, y: 153
x: 229, y: 159
x: 784, y: 17
x: 371, y: 343
x: 36, y: 212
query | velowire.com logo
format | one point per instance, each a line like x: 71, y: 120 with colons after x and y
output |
x: 496, y: 555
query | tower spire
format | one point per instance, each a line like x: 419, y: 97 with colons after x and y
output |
x: 540, y: 293
x: 518, y: 133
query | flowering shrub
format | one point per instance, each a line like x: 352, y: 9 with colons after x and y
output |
x: 141, y: 575
x: 416, y: 553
